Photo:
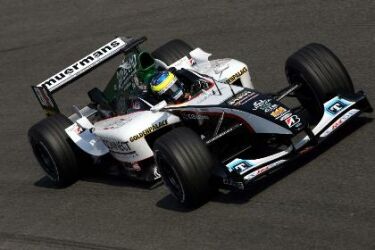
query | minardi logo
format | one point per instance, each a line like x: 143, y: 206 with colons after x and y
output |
x: 83, y: 64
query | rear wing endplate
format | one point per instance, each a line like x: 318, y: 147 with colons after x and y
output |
x: 45, y: 99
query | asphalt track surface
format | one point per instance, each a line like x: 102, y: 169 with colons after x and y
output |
x: 325, y: 201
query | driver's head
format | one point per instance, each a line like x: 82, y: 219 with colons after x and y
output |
x: 166, y: 85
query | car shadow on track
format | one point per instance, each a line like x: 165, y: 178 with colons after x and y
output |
x: 244, y: 196
x: 100, y: 176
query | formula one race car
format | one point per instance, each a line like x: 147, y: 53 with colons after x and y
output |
x: 226, y: 132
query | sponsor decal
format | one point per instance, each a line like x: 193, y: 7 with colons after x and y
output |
x: 149, y: 130
x: 125, y: 72
x: 284, y: 116
x: 117, y: 146
x: 204, y: 96
x: 336, y: 107
x: 203, y: 110
x: 224, y: 133
x: 262, y: 170
x: 45, y: 99
x: 83, y: 64
x: 242, y: 98
x: 239, y: 165
x: 118, y: 123
x: 75, y: 129
x: 278, y: 112
x: 306, y: 150
x: 242, y: 166
x: 265, y: 105
x: 190, y: 116
x: 339, y: 122
x: 236, y: 75
x: 258, y: 172
x: 292, y: 121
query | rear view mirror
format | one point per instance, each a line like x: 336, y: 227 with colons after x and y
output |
x: 221, y: 68
x: 159, y: 106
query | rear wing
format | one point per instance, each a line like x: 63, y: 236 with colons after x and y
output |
x: 44, y: 90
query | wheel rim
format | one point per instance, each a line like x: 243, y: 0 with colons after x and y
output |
x: 170, y: 177
x: 46, y: 161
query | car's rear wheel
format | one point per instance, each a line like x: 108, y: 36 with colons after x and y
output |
x: 56, y: 153
x: 172, y: 51
x: 185, y: 164
x: 321, y: 75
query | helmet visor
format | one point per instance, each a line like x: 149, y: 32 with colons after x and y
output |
x: 174, y: 91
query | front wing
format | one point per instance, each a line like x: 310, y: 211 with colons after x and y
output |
x: 337, y: 112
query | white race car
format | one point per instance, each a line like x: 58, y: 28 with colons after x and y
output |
x: 227, y: 133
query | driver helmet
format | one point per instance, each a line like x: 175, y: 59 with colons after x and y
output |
x: 167, y: 85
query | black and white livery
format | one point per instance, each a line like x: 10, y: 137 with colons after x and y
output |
x: 226, y: 133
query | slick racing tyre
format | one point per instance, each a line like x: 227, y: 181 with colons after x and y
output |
x: 172, y: 51
x: 321, y: 75
x: 185, y: 164
x: 54, y: 150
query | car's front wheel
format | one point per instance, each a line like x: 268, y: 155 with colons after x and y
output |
x: 185, y: 164
x: 321, y: 76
